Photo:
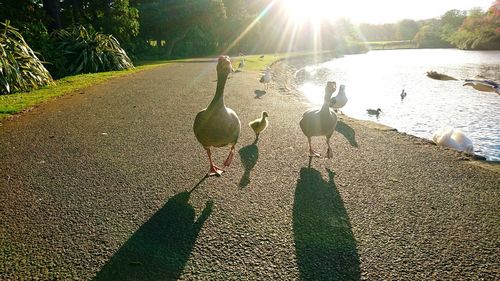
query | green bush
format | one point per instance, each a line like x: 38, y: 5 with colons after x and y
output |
x: 87, y: 51
x: 20, y: 68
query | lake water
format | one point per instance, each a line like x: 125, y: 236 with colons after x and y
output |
x: 375, y: 80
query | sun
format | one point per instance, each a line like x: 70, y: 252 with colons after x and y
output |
x: 311, y: 10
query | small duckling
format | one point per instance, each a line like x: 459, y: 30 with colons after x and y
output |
x: 374, y: 112
x: 258, y: 125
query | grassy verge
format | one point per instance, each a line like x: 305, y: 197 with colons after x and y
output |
x: 260, y: 62
x: 391, y: 45
x: 15, y: 103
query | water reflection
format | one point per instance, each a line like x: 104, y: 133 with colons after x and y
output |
x: 376, y: 79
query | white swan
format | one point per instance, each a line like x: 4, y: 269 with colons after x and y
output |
x: 217, y: 125
x: 320, y: 122
x: 258, y: 125
x: 339, y: 100
x: 453, y: 138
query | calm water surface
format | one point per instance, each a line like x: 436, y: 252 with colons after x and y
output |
x: 375, y: 80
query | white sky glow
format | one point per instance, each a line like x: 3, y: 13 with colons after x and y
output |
x: 377, y: 11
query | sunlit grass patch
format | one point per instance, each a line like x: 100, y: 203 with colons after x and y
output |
x: 260, y: 62
x: 390, y: 45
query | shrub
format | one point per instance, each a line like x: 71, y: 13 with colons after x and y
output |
x: 89, y: 51
x: 20, y: 68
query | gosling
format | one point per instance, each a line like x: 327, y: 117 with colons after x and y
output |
x: 258, y: 125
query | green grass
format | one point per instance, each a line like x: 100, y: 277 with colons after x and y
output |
x: 15, y: 103
x: 391, y: 45
x: 256, y: 63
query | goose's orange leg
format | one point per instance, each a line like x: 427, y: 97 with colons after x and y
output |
x: 312, y: 153
x: 229, y: 157
x: 329, y: 152
x: 214, y: 170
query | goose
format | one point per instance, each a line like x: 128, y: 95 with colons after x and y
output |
x: 453, y: 138
x: 339, y: 100
x: 439, y: 76
x: 242, y: 63
x: 266, y: 78
x: 258, y: 125
x: 374, y: 112
x: 403, y: 94
x: 218, y: 125
x: 320, y: 122
x: 483, y: 85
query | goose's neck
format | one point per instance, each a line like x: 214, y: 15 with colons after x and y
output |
x: 219, y: 92
x: 326, y: 102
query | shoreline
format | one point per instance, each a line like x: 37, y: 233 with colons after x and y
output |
x: 287, y: 85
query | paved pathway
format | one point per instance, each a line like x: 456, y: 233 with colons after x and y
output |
x: 95, y: 186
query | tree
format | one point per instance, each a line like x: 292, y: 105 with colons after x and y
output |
x: 479, y: 30
x: 406, y: 29
x: 429, y: 35
x: 451, y: 22
x: 171, y: 20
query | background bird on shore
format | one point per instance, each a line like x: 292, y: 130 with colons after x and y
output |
x: 266, y: 78
x: 320, y: 122
x: 218, y: 125
x: 374, y: 112
x: 241, y: 64
x: 483, y: 85
x: 258, y: 125
x: 403, y: 94
x: 339, y: 100
x: 453, y: 138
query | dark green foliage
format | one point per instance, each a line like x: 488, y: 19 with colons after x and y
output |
x: 86, y: 51
x: 479, y: 31
x: 20, y: 68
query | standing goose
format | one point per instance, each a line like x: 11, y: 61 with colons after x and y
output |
x: 320, y: 122
x: 217, y: 125
x: 266, y: 78
x: 339, y: 100
x: 258, y: 125
x: 241, y: 64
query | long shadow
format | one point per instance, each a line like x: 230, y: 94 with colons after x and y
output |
x: 347, y: 132
x: 249, y: 156
x: 160, y: 248
x: 324, y: 243
x: 259, y: 93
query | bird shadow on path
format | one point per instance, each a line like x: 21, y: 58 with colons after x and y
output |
x: 249, y: 156
x: 324, y: 242
x: 259, y: 93
x: 160, y: 248
x: 347, y: 132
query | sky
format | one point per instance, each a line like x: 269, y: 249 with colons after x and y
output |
x: 388, y: 11
x: 376, y: 11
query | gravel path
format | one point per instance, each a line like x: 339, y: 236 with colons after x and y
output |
x: 95, y: 186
